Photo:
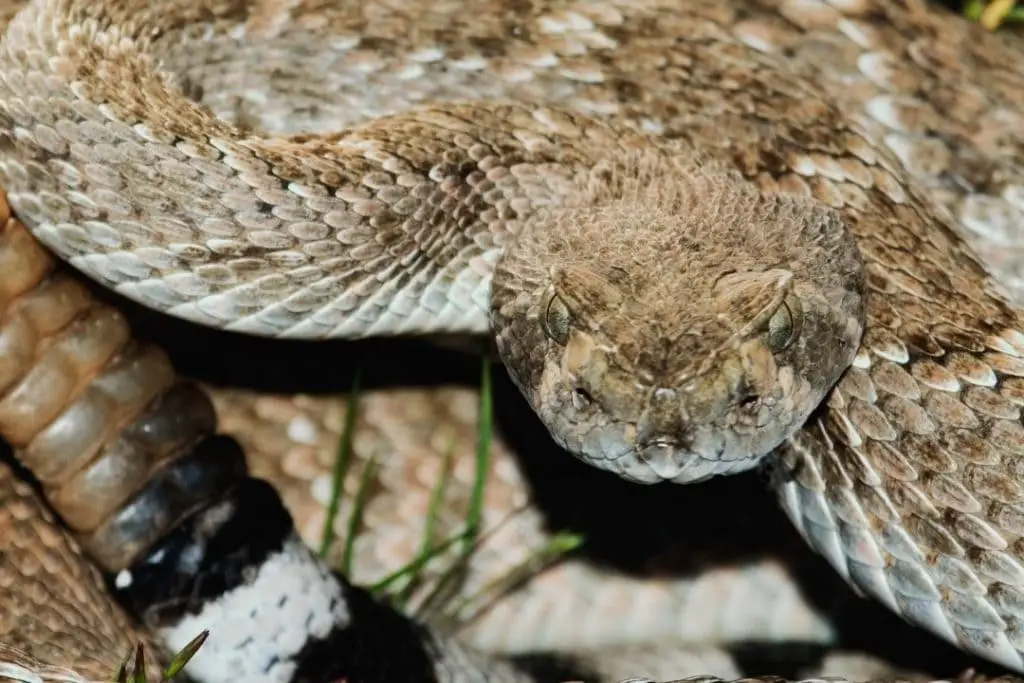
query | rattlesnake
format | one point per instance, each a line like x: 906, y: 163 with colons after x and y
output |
x: 660, y: 119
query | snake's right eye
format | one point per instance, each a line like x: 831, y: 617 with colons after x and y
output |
x: 557, y: 319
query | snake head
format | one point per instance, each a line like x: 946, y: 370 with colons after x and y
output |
x: 681, y: 334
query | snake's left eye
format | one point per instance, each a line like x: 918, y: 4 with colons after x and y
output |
x: 784, y: 325
x: 557, y: 319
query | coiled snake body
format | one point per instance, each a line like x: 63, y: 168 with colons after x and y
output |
x: 693, y: 258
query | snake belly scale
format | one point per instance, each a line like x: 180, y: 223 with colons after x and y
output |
x: 566, y: 177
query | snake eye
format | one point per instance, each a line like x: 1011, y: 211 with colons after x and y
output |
x: 784, y: 325
x: 581, y: 398
x: 556, y: 319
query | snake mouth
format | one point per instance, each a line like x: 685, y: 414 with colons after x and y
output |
x: 663, y: 457
x: 662, y: 460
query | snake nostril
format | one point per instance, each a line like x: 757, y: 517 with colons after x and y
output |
x: 749, y: 401
x: 581, y: 398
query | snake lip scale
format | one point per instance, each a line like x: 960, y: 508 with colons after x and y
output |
x: 691, y: 258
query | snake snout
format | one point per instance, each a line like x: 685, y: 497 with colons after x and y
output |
x: 664, y: 457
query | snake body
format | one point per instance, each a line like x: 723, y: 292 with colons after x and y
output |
x: 566, y: 176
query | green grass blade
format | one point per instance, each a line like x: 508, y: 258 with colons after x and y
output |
x: 185, y: 655
x: 483, y: 455
x: 437, y: 498
x: 355, y: 520
x: 426, y: 553
x: 474, y: 514
x: 133, y: 667
x: 432, y: 605
x: 341, y: 465
x: 555, y: 549
x: 994, y: 13
x: 121, y: 675
x: 417, y: 564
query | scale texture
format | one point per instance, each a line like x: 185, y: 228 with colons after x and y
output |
x: 153, y: 147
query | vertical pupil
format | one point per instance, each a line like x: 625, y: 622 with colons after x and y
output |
x: 556, y: 320
x: 780, y: 328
